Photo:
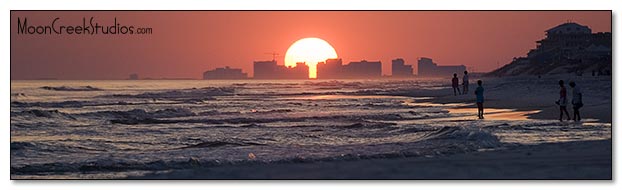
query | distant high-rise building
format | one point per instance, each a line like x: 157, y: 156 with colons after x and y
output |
x: 270, y: 70
x: 330, y: 69
x: 363, y: 69
x: 300, y: 71
x: 399, y: 69
x: 224, y: 73
x: 427, y: 68
x: 264, y: 69
x: 333, y: 69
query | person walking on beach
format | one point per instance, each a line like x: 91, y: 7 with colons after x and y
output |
x: 479, y: 95
x: 562, y: 101
x: 465, y: 82
x: 455, y: 83
x: 577, y: 101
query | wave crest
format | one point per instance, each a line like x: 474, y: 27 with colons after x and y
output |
x: 67, y: 88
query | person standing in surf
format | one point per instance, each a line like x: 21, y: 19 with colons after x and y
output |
x: 479, y: 95
x: 577, y: 101
x: 455, y: 83
x: 562, y: 101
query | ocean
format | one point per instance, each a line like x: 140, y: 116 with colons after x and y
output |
x: 119, y: 128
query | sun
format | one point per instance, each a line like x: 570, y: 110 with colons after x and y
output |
x: 311, y: 51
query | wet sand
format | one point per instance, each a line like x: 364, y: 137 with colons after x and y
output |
x: 571, y: 160
x: 536, y: 96
x: 497, y: 114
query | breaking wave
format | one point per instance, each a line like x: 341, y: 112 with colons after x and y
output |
x: 477, y: 137
x: 66, y: 88
x: 442, y: 141
x: 72, y: 104
x: 43, y: 113
x: 135, y: 114
x: 214, y: 144
x: 140, y: 113
x: 193, y: 93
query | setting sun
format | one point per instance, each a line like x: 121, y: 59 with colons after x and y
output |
x: 311, y: 51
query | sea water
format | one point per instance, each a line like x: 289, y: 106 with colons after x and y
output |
x: 115, y: 128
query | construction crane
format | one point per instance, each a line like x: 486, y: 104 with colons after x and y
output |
x: 274, y: 54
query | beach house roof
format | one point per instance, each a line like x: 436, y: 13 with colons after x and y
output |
x: 569, y: 28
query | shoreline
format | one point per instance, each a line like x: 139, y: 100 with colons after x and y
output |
x: 528, y: 95
x: 525, y: 99
x: 569, y: 160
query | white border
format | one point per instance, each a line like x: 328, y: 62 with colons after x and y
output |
x: 7, y: 5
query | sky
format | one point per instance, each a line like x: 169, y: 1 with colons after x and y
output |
x: 184, y: 44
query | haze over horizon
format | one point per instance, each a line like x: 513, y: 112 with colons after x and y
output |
x: 185, y: 44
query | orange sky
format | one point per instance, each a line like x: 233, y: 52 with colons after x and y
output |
x: 184, y: 44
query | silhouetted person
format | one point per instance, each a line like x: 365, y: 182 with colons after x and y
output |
x: 455, y: 83
x: 562, y: 101
x: 577, y: 101
x: 465, y: 82
x: 479, y: 95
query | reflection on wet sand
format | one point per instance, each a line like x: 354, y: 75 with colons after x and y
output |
x: 495, y: 113
x: 454, y: 108
x: 460, y: 109
x: 464, y: 112
x: 339, y: 96
x: 413, y: 102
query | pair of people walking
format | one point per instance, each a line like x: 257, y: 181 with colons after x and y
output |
x: 455, y: 83
x: 577, y: 101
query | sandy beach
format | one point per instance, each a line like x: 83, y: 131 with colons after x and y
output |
x: 538, y: 94
x: 572, y: 160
